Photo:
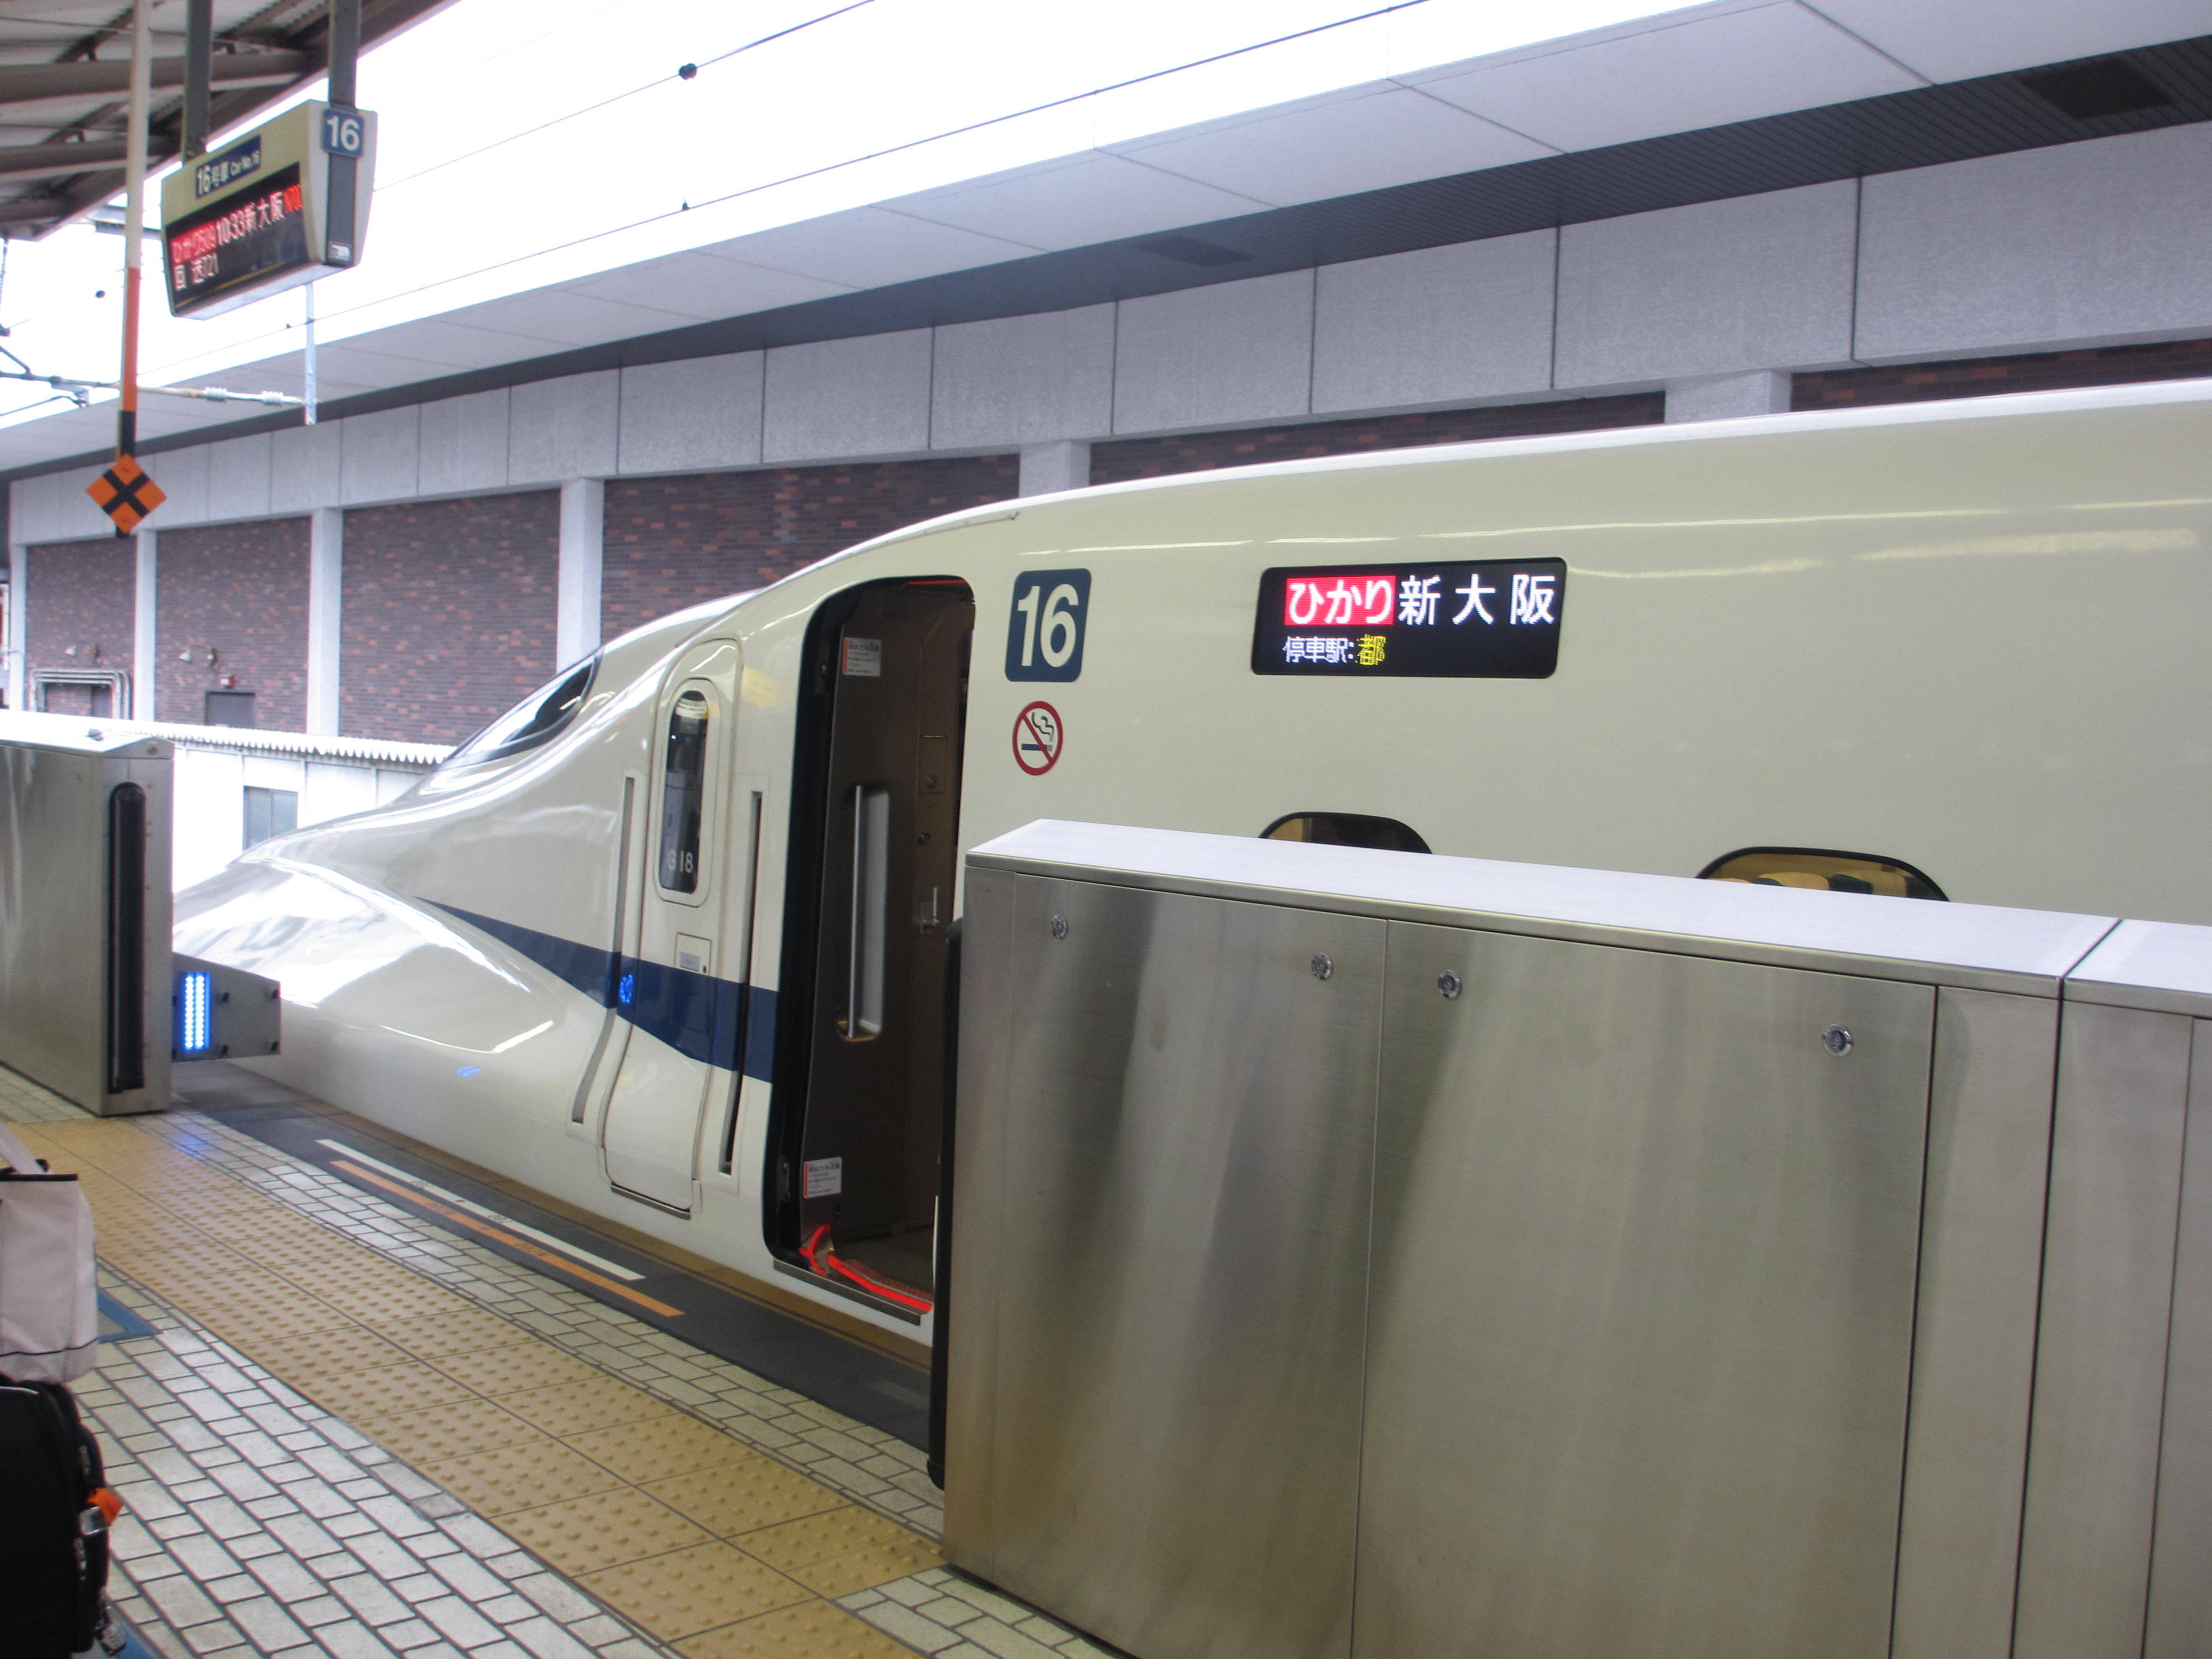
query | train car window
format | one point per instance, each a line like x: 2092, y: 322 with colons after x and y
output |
x: 1822, y: 870
x: 684, y: 793
x: 1345, y: 829
x: 533, y: 720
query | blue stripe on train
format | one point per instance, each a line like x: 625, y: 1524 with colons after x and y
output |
x: 721, y: 1021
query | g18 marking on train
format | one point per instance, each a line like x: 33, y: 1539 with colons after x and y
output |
x: 1039, y: 735
x: 1495, y: 619
x: 1044, y: 631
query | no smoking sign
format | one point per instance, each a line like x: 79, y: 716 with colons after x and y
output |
x: 1038, y: 736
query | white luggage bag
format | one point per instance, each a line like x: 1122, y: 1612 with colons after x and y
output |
x: 48, y: 1315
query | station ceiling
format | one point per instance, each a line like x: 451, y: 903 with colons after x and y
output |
x: 1729, y: 98
x: 65, y: 79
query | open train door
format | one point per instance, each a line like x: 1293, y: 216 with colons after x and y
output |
x: 860, y: 1085
x: 681, y: 1013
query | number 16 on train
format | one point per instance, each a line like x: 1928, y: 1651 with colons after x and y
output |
x: 1044, y: 631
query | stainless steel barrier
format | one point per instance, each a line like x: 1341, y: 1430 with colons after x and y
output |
x: 1368, y: 1254
x: 84, y: 912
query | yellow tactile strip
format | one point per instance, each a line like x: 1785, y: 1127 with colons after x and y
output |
x: 696, y: 1537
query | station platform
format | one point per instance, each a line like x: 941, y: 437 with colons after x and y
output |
x: 342, y: 1422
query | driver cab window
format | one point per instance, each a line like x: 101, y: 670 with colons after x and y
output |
x: 537, y: 719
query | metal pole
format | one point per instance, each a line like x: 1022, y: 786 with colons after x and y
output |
x: 345, y: 50
x: 343, y: 181
x: 307, y: 393
x: 134, y: 218
x: 199, y: 70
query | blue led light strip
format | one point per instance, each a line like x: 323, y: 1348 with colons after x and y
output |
x: 195, y: 1012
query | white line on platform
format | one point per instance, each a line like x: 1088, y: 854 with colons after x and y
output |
x: 508, y: 1222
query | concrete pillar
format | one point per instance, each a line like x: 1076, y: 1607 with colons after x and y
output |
x: 326, y: 614
x: 583, y: 532
x: 1719, y: 397
x: 1048, y: 467
x: 19, y: 623
x: 143, y: 614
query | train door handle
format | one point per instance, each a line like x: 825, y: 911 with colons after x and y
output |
x: 864, y: 971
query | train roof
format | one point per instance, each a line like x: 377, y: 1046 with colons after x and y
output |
x: 2017, y: 405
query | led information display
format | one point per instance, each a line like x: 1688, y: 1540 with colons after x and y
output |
x: 1496, y: 619
x: 284, y: 205
x: 241, y: 238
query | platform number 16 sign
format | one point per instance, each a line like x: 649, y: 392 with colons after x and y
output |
x: 342, y: 130
x: 1044, y: 631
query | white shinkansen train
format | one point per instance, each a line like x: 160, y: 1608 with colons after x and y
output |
x: 668, y: 941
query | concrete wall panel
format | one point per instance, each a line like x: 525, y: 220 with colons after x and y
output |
x: 1235, y: 351
x: 564, y: 428
x: 26, y: 510
x: 70, y: 510
x: 463, y: 444
x: 1023, y: 379
x: 848, y: 399
x: 1438, y: 326
x: 681, y: 416
x: 378, y: 455
x: 183, y: 476
x: 1756, y: 282
x: 237, y: 478
x: 2101, y: 241
x: 31, y: 510
x: 304, y: 465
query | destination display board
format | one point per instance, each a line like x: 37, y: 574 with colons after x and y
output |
x: 246, y: 237
x: 284, y: 205
x: 1491, y: 619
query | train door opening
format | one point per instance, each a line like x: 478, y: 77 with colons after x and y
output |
x: 860, y: 1084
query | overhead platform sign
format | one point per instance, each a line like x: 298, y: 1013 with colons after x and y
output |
x: 284, y: 205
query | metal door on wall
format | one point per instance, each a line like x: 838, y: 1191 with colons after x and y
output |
x: 682, y: 1018
x: 1646, y: 1232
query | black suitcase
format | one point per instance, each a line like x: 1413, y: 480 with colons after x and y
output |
x: 53, y: 1527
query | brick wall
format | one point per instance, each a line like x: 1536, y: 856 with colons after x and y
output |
x: 83, y: 594
x: 673, y: 542
x: 241, y: 589
x: 1978, y: 377
x: 449, y: 613
x: 1197, y: 452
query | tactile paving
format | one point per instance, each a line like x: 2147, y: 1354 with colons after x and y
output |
x: 377, y: 1302
x: 438, y: 1432
x: 660, y: 1447
x: 724, y: 1551
x: 687, y: 1591
x: 323, y: 1354
x: 527, y: 1476
x: 604, y: 1530
x: 744, y: 1496
x: 572, y: 1408
x: 447, y: 1327
x: 812, y: 1629
x: 381, y: 1390
x: 844, y: 1551
x: 518, y: 1367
